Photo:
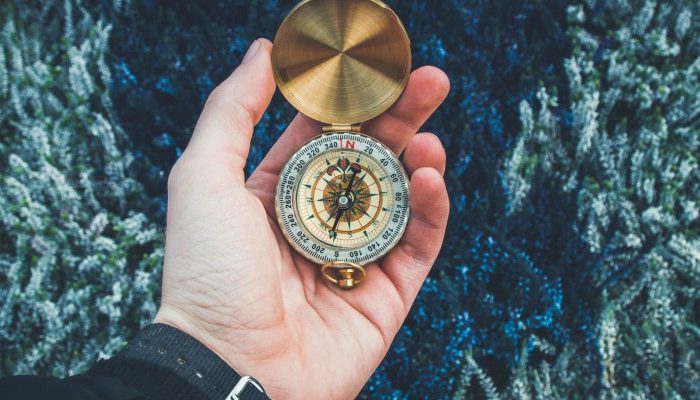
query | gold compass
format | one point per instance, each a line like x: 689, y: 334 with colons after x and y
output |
x: 342, y: 198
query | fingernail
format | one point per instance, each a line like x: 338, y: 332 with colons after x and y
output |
x: 252, y: 51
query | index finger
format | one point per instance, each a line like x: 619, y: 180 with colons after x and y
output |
x: 426, y: 90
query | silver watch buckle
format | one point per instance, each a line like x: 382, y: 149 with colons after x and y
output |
x: 242, y: 385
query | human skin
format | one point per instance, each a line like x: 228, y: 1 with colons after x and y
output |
x: 232, y: 281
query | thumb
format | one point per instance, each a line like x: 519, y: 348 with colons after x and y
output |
x: 225, y: 126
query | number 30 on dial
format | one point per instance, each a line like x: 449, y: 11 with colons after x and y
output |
x: 343, y: 197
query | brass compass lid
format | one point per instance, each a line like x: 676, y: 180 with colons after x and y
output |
x: 341, y: 61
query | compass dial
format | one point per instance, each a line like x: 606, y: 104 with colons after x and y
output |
x: 343, y: 197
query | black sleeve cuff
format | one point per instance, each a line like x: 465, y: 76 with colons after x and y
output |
x: 162, y: 362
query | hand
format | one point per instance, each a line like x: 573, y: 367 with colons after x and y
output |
x: 232, y: 281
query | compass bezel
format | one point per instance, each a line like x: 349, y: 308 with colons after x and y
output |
x: 335, y: 253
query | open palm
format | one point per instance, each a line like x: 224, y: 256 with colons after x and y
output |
x: 232, y: 281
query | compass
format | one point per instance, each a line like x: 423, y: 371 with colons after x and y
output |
x: 342, y: 199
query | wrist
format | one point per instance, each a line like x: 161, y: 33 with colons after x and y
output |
x: 258, y: 352
x: 196, y: 329
x: 182, y: 322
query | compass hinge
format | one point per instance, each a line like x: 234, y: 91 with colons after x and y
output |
x: 342, y: 128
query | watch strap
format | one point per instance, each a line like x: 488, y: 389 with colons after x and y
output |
x: 167, y: 348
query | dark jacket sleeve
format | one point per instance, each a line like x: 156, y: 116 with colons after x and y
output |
x: 161, y: 362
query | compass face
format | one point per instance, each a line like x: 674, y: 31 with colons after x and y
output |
x: 343, y: 197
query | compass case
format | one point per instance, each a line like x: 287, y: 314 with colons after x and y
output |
x: 341, y: 61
